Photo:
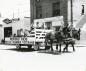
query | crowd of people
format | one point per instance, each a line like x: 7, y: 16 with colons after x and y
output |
x: 22, y: 33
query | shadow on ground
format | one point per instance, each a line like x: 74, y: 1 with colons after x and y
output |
x: 20, y: 50
x: 40, y: 51
x: 53, y: 52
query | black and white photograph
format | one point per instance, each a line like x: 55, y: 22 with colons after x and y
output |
x: 42, y: 35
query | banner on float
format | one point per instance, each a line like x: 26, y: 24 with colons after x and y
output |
x: 20, y: 40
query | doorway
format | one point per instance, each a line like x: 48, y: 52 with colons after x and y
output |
x: 7, y: 32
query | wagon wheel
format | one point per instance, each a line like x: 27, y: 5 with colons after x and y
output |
x: 29, y: 46
x: 18, y: 46
x: 36, y: 47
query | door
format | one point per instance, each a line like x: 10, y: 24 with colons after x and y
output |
x: 7, y: 32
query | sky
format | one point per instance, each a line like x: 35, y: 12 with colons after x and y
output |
x: 19, y: 8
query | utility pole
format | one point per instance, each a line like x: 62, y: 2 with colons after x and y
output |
x: 71, y: 13
x: 13, y: 15
x: 18, y: 13
x: 0, y: 15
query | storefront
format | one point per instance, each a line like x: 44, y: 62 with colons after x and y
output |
x: 13, y: 28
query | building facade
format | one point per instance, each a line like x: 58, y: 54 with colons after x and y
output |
x: 49, y: 8
x: 13, y: 28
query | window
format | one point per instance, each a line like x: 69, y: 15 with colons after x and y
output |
x: 48, y: 25
x: 7, y: 31
x: 56, y: 9
x: 57, y: 28
x: 82, y: 9
x: 39, y: 12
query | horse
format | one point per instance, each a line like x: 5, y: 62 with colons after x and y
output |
x: 49, y: 39
x: 67, y: 42
x: 59, y: 38
x: 53, y: 37
x: 72, y: 37
x: 76, y: 34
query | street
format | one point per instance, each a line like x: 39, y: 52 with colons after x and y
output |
x: 12, y: 59
x: 51, y: 22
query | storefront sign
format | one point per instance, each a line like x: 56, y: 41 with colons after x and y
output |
x: 20, y: 40
x: 7, y: 21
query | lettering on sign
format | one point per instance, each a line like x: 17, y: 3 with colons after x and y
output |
x: 20, y: 40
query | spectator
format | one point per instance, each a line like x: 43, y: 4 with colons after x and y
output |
x: 66, y: 31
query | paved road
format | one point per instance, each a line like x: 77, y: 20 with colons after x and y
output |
x: 26, y: 60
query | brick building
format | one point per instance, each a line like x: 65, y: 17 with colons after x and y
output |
x: 51, y: 8
x: 48, y: 8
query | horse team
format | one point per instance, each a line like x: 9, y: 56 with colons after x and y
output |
x: 64, y: 36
